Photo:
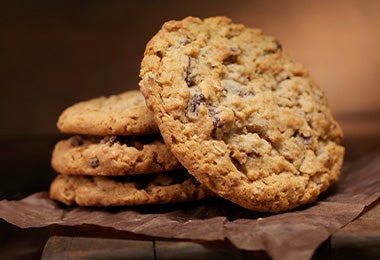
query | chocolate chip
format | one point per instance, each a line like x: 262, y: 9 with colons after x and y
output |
x: 306, y: 140
x: 76, y: 141
x: 94, y: 162
x: 247, y: 93
x: 195, y: 102
x: 230, y: 59
x: 276, y: 50
x: 190, y: 80
x: 216, y: 119
x: 160, y: 54
x: 241, y: 167
x: 218, y: 124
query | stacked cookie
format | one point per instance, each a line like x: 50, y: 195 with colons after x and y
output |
x: 232, y: 107
x: 116, y: 157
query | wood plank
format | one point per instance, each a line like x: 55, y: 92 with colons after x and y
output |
x: 192, y: 250
x: 61, y: 247
x: 359, y: 239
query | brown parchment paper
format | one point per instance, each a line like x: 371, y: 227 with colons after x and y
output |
x: 291, y: 235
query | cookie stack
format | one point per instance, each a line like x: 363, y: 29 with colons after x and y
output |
x: 235, y: 110
x: 116, y: 157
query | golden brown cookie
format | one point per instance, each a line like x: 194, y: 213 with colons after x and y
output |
x: 122, y: 114
x: 127, y: 190
x: 244, y: 118
x: 113, y: 155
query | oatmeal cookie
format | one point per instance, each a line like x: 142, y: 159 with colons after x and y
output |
x: 127, y: 190
x: 113, y: 155
x: 240, y: 115
x: 122, y: 114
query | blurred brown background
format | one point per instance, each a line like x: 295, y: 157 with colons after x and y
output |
x: 56, y: 53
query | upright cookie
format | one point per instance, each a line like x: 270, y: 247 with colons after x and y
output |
x: 240, y: 114
x: 122, y: 114
x: 113, y: 155
x: 127, y: 191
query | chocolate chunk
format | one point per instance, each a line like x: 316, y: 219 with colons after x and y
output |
x: 216, y: 119
x: 190, y: 80
x: 230, y: 59
x: 247, y: 93
x: 94, y: 162
x: 276, y: 50
x: 160, y: 54
x: 217, y: 131
x: 195, y: 102
x: 306, y: 140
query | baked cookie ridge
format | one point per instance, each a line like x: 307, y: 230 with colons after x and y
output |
x: 243, y: 117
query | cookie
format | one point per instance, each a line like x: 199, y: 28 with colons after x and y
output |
x: 113, y: 155
x: 128, y: 190
x: 122, y: 114
x: 244, y: 118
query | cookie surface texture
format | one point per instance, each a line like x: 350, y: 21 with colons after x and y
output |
x: 113, y: 155
x: 122, y: 114
x: 243, y: 117
x: 104, y: 191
